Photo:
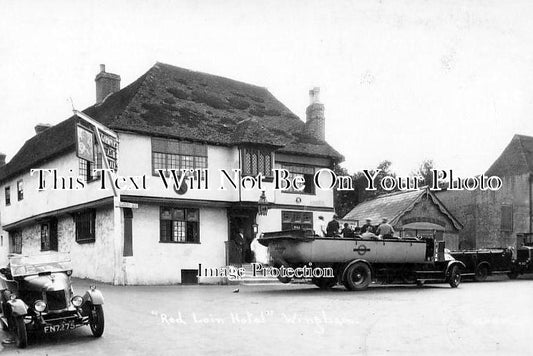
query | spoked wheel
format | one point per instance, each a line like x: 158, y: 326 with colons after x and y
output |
x: 358, y: 276
x: 96, y: 320
x: 455, y: 277
x: 21, y: 336
x: 481, y: 273
x: 324, y: 283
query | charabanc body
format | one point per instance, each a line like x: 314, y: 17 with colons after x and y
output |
x: 36, y: 295
x: 356, y: 262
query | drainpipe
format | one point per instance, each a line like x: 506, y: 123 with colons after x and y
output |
x: 530, y: 203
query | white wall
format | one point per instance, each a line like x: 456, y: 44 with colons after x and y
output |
x: 36, y: 202
x: 90, y: 260
x: 154, y: 262
x: 135, y: 159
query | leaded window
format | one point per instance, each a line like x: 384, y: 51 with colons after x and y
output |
x: 255, y: 161
x: 179, y: 225
x: 178, y: 155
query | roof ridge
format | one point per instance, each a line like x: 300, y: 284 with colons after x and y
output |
x: 210, y: 75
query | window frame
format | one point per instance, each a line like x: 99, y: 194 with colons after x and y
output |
x: 85, y: 167
x: 20, y: 189
x: 85, y: 217
x: 248, y: 169
x: 297, y: 217
x: 293, y: 174
x: 7, y: 195
x: 16, y: 242
x: 176, y: 154
x: 166, y: 226
x: 51, y: 228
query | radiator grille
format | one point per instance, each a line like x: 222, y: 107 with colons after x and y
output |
x: 56, y: 300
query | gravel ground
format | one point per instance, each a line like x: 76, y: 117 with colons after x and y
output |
x: 487, y: 318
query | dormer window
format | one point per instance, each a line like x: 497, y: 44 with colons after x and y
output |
x: 255, y: 161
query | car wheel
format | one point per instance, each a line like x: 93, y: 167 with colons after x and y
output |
x: 324, y: 283
x: 21, y: 336
x: 481, y: 273
x: 455, y: 277
x: 358, y: 276
x: 96, y: 320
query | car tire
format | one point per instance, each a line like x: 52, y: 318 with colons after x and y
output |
x: 21, y: 336
x: 96, y: 320
x: 481, y: 273
x: 358, y: 276
x: 455, y: 277
x: 324, y: 283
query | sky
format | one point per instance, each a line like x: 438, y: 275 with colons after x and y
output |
x: 402, y: 81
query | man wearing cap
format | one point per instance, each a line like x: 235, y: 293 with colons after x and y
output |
x: 365, y: 227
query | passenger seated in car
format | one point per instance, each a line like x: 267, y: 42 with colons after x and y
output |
x: 357, y: 232
x: 369, y: 234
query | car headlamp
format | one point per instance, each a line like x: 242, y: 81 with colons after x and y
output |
x: 77, y: 301
x: 39, y: 306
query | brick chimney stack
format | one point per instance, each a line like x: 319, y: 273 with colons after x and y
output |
x: 106, y: 84
x: 41, y: 127
x: 2, y: 159
x: 315, y: 124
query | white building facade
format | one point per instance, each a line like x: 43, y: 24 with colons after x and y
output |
x: 147, y: 233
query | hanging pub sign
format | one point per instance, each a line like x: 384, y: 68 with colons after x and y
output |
x: 110, y: 150
x: 84, y: 143
x: 87, y: 144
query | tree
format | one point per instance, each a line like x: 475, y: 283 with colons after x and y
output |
x: 346, y: 200
x: 424, y: 171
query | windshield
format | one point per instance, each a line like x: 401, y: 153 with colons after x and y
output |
x: 49, y: 262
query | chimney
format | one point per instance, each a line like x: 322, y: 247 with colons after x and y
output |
x: 2, y: 159
x: 41, y: 127
x: 315, y: 124
x: 106, y: 84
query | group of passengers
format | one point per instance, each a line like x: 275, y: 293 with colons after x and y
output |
x: 367, y: 231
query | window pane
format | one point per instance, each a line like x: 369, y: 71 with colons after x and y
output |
x: 192, y: 232
x: 268, y: 165
x: 247, y: 169
x: 166, y: 214
x: 261, y: 163
x: 178, y: 214
x: 253, y: 170
x: 192, y: 214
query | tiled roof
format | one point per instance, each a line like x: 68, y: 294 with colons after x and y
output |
x: 173, y: 102
x: 393, y: 206
x: 516, y: 159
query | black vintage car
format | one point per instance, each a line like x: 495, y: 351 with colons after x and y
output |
x: 485, y: 262
x: 36, y: 295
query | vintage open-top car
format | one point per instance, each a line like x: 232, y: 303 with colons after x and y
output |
x: 36, y: 295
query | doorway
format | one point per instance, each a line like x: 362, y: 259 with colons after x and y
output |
x: 241, y: 235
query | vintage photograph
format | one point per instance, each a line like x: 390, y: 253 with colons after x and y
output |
x: 266, y: 177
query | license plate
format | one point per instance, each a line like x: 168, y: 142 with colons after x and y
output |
x: 66, y: 325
